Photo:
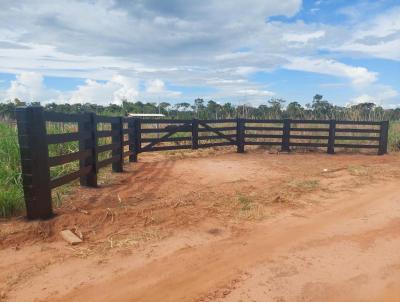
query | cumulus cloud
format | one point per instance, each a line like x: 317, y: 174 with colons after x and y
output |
x: 112, y: 91
x: 358, y: 75
x: 29, y: 86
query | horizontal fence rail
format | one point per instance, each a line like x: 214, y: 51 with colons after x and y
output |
x: 105, y: 141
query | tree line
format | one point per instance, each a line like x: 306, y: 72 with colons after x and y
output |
x: 275, y: 108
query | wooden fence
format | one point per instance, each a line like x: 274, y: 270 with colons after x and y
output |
x: 146, y: 135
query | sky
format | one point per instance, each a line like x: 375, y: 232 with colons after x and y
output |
x: 238, y: 51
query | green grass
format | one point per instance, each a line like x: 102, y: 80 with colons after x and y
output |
x: 394, y: 136
x: 11, y: 195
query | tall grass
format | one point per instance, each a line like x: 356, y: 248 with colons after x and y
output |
x: 394, y: 136
x: 11, y: 195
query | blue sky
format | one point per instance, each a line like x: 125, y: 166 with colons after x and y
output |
x: 227, y: 50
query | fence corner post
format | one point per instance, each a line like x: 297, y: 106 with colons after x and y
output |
x: 383, y: 137
x: 35, y: 170
x: 285, y: 147
x: 87, y: 128
x: 195, y: 134
x: 331, y: 138
x: 118, y: 139
x: 240, y: 133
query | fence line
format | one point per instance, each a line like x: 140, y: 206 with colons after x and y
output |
x: 186, y: 134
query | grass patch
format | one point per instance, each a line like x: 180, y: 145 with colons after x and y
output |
x: 305, y: 185
x: 394, y: 136
x: 11, y: 195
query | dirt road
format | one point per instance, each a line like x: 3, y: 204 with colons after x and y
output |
x: 252, y: 227
x: 347, y: 253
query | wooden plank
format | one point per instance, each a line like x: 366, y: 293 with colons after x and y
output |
x: 107, y: 133
x: 263, y: 143
x: 70, y: 237
x: 163, y: 130
x: 216, y: 128
x: 308, y: 144
x: 263, y: 121
x: 294, y: 136
x: 66, y: 137
x: 54, y: 183
x: 108, y: 147
x: 169, y: 139
x: 67, y: 158
x: 264, y: 128
x: 209, y: 137
x: 166, y: 148
x: 305, y: 129
x: 63, y: 117
x: 219, y: 121
x: 310, y: 122
x: 356, y: 146
x: 356, y: 138
x: 357, y: 130
x: 358, y: 123
x: 263, y: 135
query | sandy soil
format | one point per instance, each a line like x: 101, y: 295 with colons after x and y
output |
x: 200, y: 226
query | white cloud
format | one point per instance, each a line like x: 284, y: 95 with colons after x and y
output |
x: 378, y: 37
x: 359, y: 76
x: 303, y: 38
x: 120, y: 46
x: 112, y: 91
x: 381, y: 95
x: 29, y: 86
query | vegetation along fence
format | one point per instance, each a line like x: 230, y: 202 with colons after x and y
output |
x: 127, y: 137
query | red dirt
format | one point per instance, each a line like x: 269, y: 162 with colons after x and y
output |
x: 227, y: 227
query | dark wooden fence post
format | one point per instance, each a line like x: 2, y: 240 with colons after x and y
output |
x: 286, y: 136
x: 136, y: 139
x: 35, y: 168
x: 383, y: 137
x: 87, y: 128
x: 195, y: 134
x: 131, y: 138
x: 240, y: 132
x: 331, y: 139
x: 118, y: 138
